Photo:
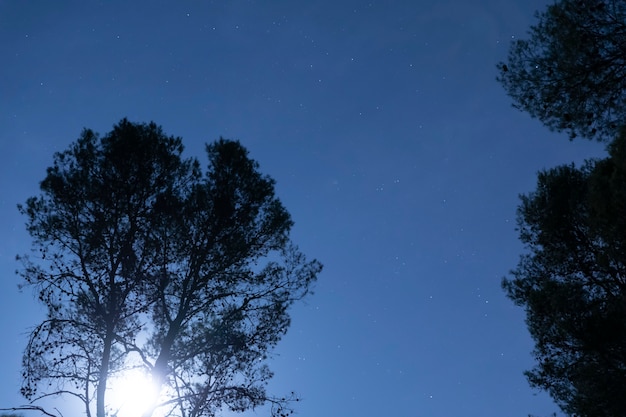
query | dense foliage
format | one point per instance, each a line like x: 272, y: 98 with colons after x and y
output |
x: 572, y: 283
x: 571, y: 71
x: 144, y: 260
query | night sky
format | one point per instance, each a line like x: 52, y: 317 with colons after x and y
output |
x: 397, y: 153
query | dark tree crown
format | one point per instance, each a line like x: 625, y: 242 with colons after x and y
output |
x: 571, y: 71
x: 572, y: 283
x: 144, y: 260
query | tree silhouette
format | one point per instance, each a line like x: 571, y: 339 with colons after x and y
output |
x: 571, y: 72
x: 145, y: 261
x: 572, y: 283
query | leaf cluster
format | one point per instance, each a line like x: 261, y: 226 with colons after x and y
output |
x: 571, y: 71
x: 572, y: 283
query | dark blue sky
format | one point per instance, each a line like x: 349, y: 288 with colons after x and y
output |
x: 395, y: 150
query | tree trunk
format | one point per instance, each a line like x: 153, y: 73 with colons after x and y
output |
x: 104, y: 373
x: 159, y: 371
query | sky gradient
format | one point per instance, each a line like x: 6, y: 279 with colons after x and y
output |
x: 397, y: 153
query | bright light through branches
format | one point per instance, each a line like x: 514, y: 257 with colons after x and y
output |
x: 130, y: 394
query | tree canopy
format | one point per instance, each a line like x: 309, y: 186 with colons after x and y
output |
x: 571, y: 71
x: 572, y: 283
x: 144, y: 260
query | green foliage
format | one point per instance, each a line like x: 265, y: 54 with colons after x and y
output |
x: 143, y: 259
x: 571, y: 71
x: 572, y: 283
